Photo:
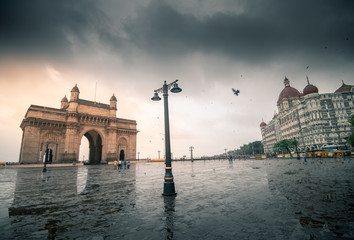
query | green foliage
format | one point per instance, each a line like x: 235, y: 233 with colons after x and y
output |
x: 285, y: 145
x: 351, y: 120
x: 248, y: 149
x: 351, y: 137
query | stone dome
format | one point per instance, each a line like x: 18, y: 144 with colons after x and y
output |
x: 344, y: 88
x: 64, y: 99
x: 113, y: 98
x: 288, y: 91
x: 75, y: 89
x: 263, y: 124
x: 309, y: 88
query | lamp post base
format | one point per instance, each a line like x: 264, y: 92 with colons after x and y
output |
x: 169, y: 189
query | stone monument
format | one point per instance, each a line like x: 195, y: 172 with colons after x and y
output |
x: 110, y: 138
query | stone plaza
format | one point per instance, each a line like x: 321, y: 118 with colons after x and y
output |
x: 216, y: 199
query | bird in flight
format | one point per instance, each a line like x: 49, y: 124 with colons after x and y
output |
x: 236, y: 92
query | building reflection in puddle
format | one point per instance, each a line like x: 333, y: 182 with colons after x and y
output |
x: 70, y: 202
x: 81, y: 179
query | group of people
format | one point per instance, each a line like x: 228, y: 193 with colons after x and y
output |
x: 119, y: 164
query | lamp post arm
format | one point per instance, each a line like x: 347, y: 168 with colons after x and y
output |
x: 168, y: 87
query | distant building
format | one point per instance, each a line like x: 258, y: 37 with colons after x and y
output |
x: 110, y: 138
x: 313, y: 119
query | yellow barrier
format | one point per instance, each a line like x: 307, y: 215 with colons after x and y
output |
x: 156, y: 160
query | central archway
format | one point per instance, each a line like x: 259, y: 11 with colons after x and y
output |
x: 95, y: 147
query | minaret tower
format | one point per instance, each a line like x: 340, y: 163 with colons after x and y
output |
x: 64, y: 103
x: 73, y: 104
x: 74, y: 93
x: 113, y: 106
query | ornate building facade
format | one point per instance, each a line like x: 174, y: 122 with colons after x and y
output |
x: 313, y: 119
x: 110, y: 138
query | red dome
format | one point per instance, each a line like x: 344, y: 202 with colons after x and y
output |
x: 310, y: 89
x: 288, y: 91
x: 344, y: 88
x: 263, y: 124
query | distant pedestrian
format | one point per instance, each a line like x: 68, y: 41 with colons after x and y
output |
x: 230, y: 158
x: 115, y: 163
x: 125, y: 164
x: 305, y: 157
x: 128, y: 166
x: 119, y: 164
x: 312, y: 155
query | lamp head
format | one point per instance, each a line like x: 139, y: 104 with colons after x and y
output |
x: 156, y: 97
x: 176, y: 89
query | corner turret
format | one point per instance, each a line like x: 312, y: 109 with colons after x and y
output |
x: 74, y: 94
x: 73, y: 104
x: 64, y: 103
x: 113, y: 106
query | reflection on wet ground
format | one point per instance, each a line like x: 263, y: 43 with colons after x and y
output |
x: 272, y: 199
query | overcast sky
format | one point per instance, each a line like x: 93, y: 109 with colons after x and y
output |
x: 130, y: 47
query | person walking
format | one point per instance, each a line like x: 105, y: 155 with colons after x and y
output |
x: 128, y: 166
x: 119, y: 164
x: 125, y: 164
x: 305, y: 157
x: 115, y: 163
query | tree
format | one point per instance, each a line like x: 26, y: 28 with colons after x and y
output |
x: 285, y: 144
x: 251, y: 148
x: 351, y: 136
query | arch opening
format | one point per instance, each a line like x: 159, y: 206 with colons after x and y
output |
x: 94, y: 152
x: 121, y: 155
x: 84, y: 149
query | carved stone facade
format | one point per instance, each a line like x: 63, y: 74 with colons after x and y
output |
x: 110, y: 138
x: 313, y: 119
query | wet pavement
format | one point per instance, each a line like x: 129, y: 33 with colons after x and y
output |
x: 270, y: 199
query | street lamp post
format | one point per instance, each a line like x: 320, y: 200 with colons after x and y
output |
x: 169, y: 185
x: 191, y: 149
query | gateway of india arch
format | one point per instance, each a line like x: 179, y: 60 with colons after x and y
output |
x: 110, y: 138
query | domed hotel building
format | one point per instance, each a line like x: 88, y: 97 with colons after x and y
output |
x: 313, y: 119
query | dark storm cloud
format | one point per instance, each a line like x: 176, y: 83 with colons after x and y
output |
x: 260, y: 31
x: 48, y: 27
x: 265, y: 29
